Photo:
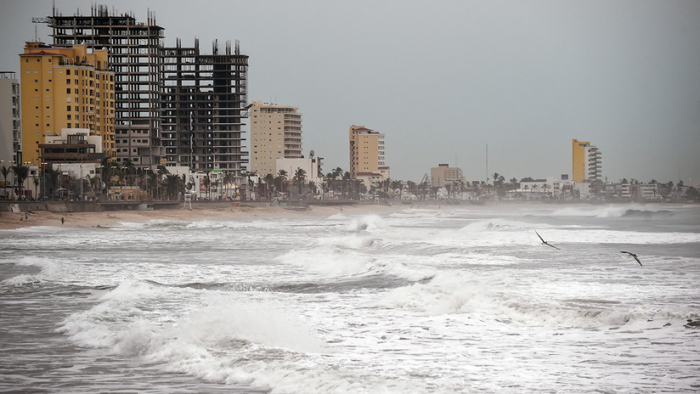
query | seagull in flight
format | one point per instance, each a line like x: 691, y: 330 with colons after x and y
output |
x: 633, y: 255
x: 545, y: 242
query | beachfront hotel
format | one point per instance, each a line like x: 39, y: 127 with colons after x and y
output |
x: 275, y: 133
x: 65, y: 88
x: 367, y: 162
x: 586, y: 161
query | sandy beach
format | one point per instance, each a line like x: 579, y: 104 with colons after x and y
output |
x: 10, y: 220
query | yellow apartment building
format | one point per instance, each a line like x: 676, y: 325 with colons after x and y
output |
x: 367, y: 155
x: 65, y: 88
x: 586, y: 161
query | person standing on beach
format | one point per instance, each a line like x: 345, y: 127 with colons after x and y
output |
x: 62, y: 220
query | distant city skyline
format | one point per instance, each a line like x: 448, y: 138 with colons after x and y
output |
x: 442, y: 80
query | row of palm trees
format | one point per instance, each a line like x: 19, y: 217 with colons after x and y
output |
x: 21, y: 173
x: 160, y: 183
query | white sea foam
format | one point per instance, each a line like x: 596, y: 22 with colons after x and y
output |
x: 366, y: 223
x: 424, y: 301
x: 608, y: 211
x: 329, y: 262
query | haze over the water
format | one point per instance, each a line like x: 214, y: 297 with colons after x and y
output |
x: 444, y: 79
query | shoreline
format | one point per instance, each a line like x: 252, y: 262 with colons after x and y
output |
x: 105, y: 219
x: 13, y: 220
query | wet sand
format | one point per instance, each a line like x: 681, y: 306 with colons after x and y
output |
x: 10, y: 220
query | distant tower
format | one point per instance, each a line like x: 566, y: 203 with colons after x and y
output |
x: 586, y: 162
x: 275, y: 133
x: 367, y: 161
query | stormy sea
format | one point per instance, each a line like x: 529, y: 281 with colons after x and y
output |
x: 463, y: 299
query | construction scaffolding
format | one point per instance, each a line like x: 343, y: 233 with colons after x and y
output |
x: 203, y: 108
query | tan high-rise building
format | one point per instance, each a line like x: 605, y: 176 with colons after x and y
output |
x: 586, y: 161
x: 275, y: 133
x: 65, y: 88
x: 367, y: 155
x: 443, y: 175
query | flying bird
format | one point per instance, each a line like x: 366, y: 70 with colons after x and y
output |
x: 633, y: 255
x: 545, y: 242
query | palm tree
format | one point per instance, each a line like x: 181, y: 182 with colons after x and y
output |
x: 153, y: 184
x: 53, y: 174
x: 129, y: 169
x: 299, y: 178
x: 5, y: 172
x: 376, y: 185
x: 281, y: 179
x: 207, y: 182
x: 423, y: 188
x: 397, y: 185
x: 21, y: 172
x: 269, y: 181
x: 174, y: 185
x: 228, y: 179
x: 337, y: 173
x: 36, y: 185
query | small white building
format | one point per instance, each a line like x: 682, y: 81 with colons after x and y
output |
x: 310, y: 165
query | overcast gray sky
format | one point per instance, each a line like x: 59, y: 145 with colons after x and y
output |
x: 442, y: 79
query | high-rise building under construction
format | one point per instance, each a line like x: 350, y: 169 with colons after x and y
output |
x: 202, y: 108
x: 174, y: 106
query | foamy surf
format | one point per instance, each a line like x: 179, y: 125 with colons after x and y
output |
x: 415, y: 301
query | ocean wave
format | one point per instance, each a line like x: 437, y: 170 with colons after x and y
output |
x: 614, y: 211
x: 47, y: 265
x: 19, y: 281
x: 366, y: 223
x: 461, y: 293
x: 495, y: 225
x: 353, y: 241
x: 331, y: 262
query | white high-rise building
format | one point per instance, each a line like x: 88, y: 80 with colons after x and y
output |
x: 10, y: 130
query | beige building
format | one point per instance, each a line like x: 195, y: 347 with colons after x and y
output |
x: 367, y: 161
x: 275, y: 133
x: 443, y: 175
x: 10, y: 131
x: 65, y: 88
